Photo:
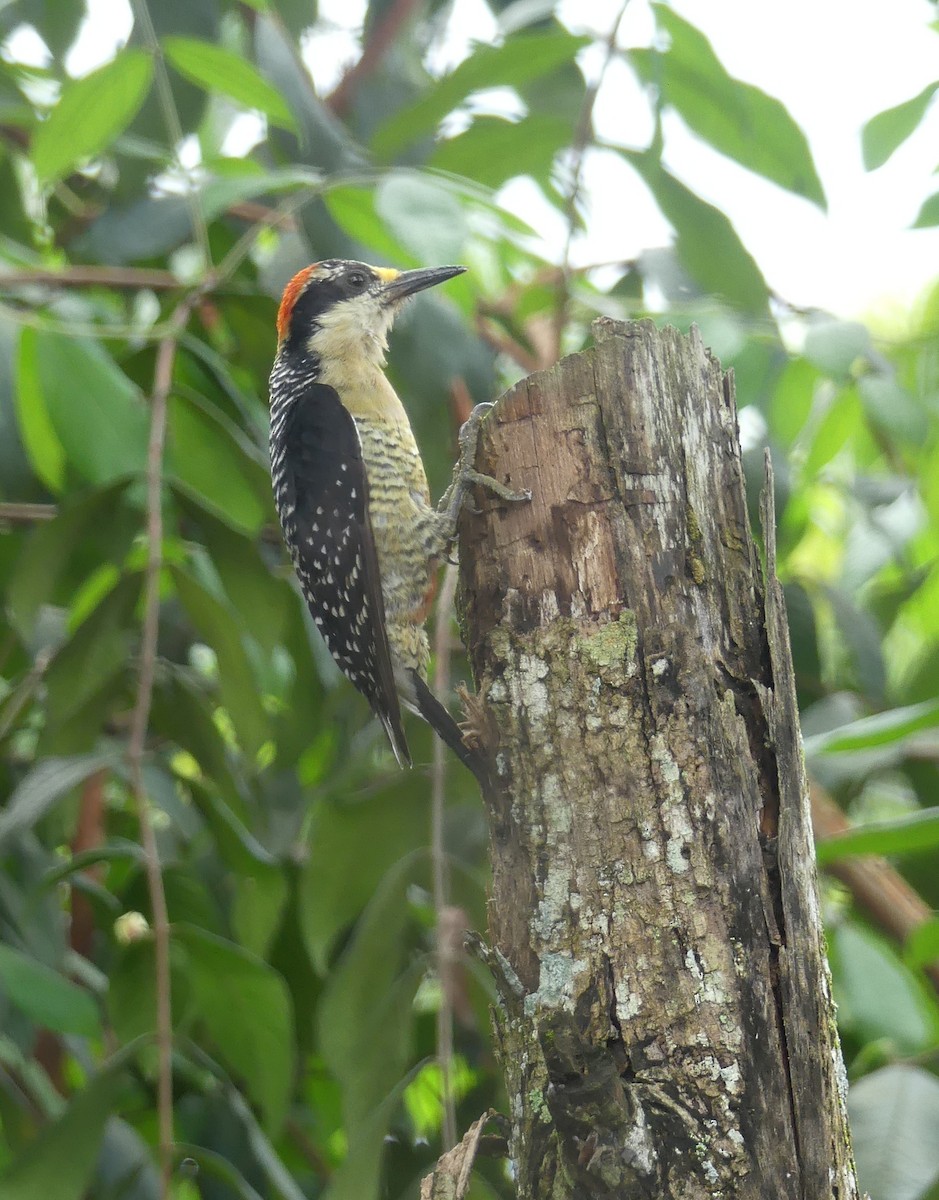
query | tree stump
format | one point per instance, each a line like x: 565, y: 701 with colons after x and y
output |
x: 666, y: 1026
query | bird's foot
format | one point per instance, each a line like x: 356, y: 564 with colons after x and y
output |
x: 465, y: 475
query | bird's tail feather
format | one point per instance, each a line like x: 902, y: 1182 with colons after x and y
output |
x: 399, y: 743
x: 429, y: 707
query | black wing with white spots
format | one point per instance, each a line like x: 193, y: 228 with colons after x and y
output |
x: 322, y: 495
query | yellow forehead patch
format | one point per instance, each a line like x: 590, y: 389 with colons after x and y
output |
x: 386, y: 274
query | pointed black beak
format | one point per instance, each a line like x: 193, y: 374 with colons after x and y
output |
x: 408, y: 282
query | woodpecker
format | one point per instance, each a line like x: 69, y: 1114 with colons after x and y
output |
x: 351, y: 490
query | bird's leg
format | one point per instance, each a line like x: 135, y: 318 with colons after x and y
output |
x: 465, y: 476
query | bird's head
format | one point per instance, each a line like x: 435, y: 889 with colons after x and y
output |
x: 338, y: 309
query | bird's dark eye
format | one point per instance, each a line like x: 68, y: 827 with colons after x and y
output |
x: 356, y: 279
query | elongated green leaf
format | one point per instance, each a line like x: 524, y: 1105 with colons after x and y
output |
x: 88, y: 524
x: 209, y: 464
x: 888, y: 130
x: 494, y: 150
x: 737, y: 118
x: 359, y: 1174
x: 43, y: 786
x: 36, y: 428
x: 706, y: 242
x: 878, y: 996
x: 218, y: 628
x: 253, y: 1026
x: 370, y: 989
x: 516, y: 62
x: 89, y: 666
x: 91, y: 112
x: 922, y: 945
x: 59, y: 1164
x: 47, y: 998
x: 912, y: 833
x: 248, y: 581
x: 928, y: 214
x: 377, y: 831
x: 98, y: 416
x: 894, y: 1117
x: 353, y: 210
x: 270, y: 1162
x: 882, y: 729
x: 423, y: 214
x: 217, y: 69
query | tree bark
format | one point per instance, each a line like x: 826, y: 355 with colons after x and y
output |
x: 666, y: 1026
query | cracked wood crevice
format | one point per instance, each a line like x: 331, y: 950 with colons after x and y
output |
x: 652, y: 828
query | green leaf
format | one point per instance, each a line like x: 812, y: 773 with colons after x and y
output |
x: 894, y: 1124
x: 97, y: 414
x: 494, y: 150
x: 92, y: 524
x: 248, y: 581
x: 36, y: 428
x: 205, y: 458
x: 878, y: 996
x: 126, y: 1169
x: 257, y: 907
x: 424, y: 215
x: 217, y: 69
x: 513, y: 64
x: 928, y: 214
x: 264, y: 1153
x: 706, y: 242
x: 792, y: 400
x: 46, y: 783
x: 912, y: 833
x: 253, y: 1025
x: 359, y: 1174
x: 353, y: 210
x: 891, y: 408
x: 922, y: 945
x: 59, y: 1164
x: 219, y: 194
x: 91, y: 112
x: 860, y: 641
x: 47, y: 998
x: 885, y: 132
x: 377, y: 832
x: 371, y: 989
x: 841, y: 420
x: 835, y: 346
x: 89, y: 665
x: 882, y: 729
x: 218, y: 628
x: 736, y: 118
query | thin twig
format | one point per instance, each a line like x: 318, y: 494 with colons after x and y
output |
x: 579, y: 147
x: 136, y: 746
x: 173, y: 124
x: 383, y: 36
x: 438, y: 854
x: 94, y: 276
x: 14, y: 513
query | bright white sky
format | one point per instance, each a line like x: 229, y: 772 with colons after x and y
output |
x: 834, y: 63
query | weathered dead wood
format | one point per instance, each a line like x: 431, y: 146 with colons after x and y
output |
x: 666, y: 1027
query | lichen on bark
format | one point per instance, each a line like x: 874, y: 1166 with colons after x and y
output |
x: 653, y: 886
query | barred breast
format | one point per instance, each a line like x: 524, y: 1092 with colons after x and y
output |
x: 403, y: 526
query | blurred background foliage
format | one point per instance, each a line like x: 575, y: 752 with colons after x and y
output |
x: 170, y: 193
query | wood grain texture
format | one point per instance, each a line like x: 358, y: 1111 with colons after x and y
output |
x: 666, y: 1027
